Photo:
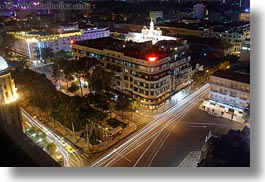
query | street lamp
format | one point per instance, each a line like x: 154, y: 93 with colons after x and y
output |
x: 61, y: 71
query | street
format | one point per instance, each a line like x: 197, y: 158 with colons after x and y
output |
x: 163, y: 140
x: 168, y: 139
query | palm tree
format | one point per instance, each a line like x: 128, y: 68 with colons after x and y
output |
x: 82, y: 67
x: 134, y: 106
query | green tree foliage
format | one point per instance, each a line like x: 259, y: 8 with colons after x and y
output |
x: 73, y: 88
x: 51, y: 148
x: 47, y: 53
x: 122, y: 103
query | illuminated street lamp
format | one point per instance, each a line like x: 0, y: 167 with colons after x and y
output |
x: 61, y: 71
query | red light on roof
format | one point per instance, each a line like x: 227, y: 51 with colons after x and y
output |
x: 152, y: 58
x: 71, y: 41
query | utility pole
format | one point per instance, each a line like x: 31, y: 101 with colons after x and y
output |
x: 87, y: 138
x: 74, y: 130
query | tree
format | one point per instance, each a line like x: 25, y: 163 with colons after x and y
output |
x: 7, y: 43
x: 63, y: 54
x: 122, y: 103
x: 45, y: 53
x: 51, y: 148
x: 82, y: 66
x: 134, y: 106
x: 224, y: 65
x: 101, y: 83
x: 73, y: 88
x: 159, y: 20
x: 56, y: 73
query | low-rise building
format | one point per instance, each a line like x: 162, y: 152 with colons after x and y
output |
x: 57, y: 38
x: 149, y: 72
x: 199, y: 11
x: 244, y: 17
x: 229, y: 94
x: 235, y: 36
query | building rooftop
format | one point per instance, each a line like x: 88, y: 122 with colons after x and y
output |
x: 161, y: 49
x: 231, y: 75
x: 232, y: 150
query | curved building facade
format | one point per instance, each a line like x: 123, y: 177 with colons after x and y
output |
x: 8, y: 91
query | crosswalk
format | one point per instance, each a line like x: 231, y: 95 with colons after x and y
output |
x: 138, y: 119
x: 84, y: 155
x: 73, y: 163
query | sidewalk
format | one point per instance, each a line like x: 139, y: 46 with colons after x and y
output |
x: 169, y: 104
x: 105, y: 145
x: 221, y: 112
x: 191, y: 160
x: 80, y: 142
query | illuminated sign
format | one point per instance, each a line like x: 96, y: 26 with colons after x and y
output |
x: 152, y: 58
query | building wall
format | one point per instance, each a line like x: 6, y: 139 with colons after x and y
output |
x: 30, y: 48
x: 244, y: 17
x: 235, y: 38
x: 245, y: 51
x: 152, y: 83
x: 232, y: 93
x: 7, y: 89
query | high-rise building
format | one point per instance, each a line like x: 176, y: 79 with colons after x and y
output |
x: 199, y: 11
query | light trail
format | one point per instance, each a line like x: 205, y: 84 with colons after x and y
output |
x: 240, y: 126
x: 56, y: 139
x: 149, y: 128
x: 162, y: 120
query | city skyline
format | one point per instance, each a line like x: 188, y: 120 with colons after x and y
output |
x: 119, y: 84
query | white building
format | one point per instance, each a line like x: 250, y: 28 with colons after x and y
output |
x: 235, y: 36
x: 229, y: 94
x: 151, y: 34
x: 199, y: 11
x: 58, y: 38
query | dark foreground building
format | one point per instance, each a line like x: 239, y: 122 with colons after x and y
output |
x: 231, y: 150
